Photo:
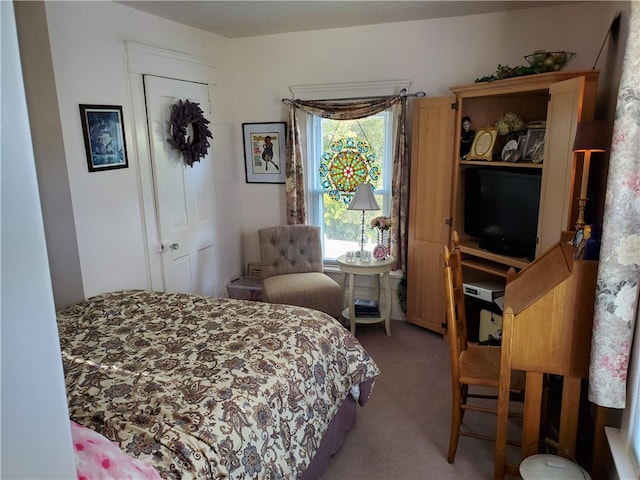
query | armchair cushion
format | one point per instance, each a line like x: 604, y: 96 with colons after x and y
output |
x: 313, y: 289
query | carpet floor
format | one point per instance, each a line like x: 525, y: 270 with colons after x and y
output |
x: 402, y: 433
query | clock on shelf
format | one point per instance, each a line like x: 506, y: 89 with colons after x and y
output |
x: 380, y: 252
x: 483, y: 142
x: 510, y: 152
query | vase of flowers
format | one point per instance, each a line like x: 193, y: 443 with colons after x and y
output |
x: 510, y: 123
x: 383, y: 225
x: 509, y: 127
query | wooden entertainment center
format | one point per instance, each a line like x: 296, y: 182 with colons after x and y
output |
x: 561, y: 99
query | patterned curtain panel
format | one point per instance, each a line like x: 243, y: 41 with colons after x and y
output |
x: 616, y: 307
x: 400, y: 192
x: 336, y: 110
x: 294, y: 171
x: 351, y: 110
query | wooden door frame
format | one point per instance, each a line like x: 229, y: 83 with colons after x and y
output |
x: 144, y: 60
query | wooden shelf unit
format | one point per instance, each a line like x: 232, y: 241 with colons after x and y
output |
x: 481, y: 163
x: 436, y: 206
x: 476, y: 259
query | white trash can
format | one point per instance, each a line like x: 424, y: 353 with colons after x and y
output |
x: 551, y: 467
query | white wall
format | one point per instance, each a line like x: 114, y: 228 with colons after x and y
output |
x: 36, y: 437
x: 432, y: 54
x: 55, y: 192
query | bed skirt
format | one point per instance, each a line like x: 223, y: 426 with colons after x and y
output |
x: 338, y: 428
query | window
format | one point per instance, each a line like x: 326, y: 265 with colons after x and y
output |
x: 341, y: 228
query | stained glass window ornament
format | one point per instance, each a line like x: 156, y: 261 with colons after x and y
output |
x: 347, y: 163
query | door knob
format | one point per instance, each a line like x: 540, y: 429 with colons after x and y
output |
x: 164, y: 247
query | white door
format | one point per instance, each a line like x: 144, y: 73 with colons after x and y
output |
x: 183, y: 194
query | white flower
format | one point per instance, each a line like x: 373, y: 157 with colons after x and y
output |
x: 629, y: 250
x: 381, y: 222
x: 625, y: 302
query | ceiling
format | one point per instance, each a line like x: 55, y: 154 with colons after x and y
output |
x: 240, y: 18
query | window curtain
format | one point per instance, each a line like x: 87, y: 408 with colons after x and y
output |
x: 616, y: 306
x: 351, y: 110
x: 294, y: 173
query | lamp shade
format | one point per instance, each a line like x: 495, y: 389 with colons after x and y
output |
x: 363, y: 198
x: 590, y: 136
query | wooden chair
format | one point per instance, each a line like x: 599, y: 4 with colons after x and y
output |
x: 471, y: 365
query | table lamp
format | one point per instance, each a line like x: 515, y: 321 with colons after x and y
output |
x: 364, y: 200
x: 590, y: 137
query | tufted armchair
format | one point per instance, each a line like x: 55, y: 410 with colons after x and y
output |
x: 291, y: 258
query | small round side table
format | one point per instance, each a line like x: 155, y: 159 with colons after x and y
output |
x: 379, y: 268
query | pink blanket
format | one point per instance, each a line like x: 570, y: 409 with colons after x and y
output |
x: 99, y: 459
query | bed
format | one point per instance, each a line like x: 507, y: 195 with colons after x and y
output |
x: 203, y: 387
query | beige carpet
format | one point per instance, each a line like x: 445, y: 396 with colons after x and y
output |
x: 403, y: 432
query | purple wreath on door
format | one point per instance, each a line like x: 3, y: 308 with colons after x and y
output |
x: 185, y: 114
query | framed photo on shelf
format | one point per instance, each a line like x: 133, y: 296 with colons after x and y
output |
x: 522, y: 144
x: 104, y: 140
x: 483, y: 142
x: 264, y: 152
x: 534, y: 147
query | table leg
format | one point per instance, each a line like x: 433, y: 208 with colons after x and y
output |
x: 532, y: 413
x: 386, y: 279
x: 569, y: 416
x: 352, y: 308
x: 345, y: 300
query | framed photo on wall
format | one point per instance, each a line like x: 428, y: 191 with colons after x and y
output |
x: 104, y: 141
x: 264, y: 152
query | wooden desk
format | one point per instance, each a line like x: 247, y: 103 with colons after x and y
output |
x: 546, y: 328
x: 381, y: 269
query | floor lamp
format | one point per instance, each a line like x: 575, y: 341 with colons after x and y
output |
x: 364, y: 200
x: 590, y: 137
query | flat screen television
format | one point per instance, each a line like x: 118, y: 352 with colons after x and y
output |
x: 501, y: 209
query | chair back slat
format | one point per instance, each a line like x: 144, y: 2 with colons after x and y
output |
x: 455, y: 308
x: 455, y: 293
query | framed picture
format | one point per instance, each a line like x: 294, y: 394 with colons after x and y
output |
x: 264, y: 152
x: 483, y: 142
x: 522, y: 144
x: 104, y: 139
x: 534, y: 148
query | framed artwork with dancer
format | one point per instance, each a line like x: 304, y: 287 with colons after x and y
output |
x: 264, y: 152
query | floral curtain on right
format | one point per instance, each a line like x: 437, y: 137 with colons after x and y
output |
x: 616, y: 306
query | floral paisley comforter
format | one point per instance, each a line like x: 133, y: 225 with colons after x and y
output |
x: 204, y: 387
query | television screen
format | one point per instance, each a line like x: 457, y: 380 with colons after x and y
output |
x: 501, y: 209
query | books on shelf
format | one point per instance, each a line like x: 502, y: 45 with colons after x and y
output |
x: 366, y: 308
